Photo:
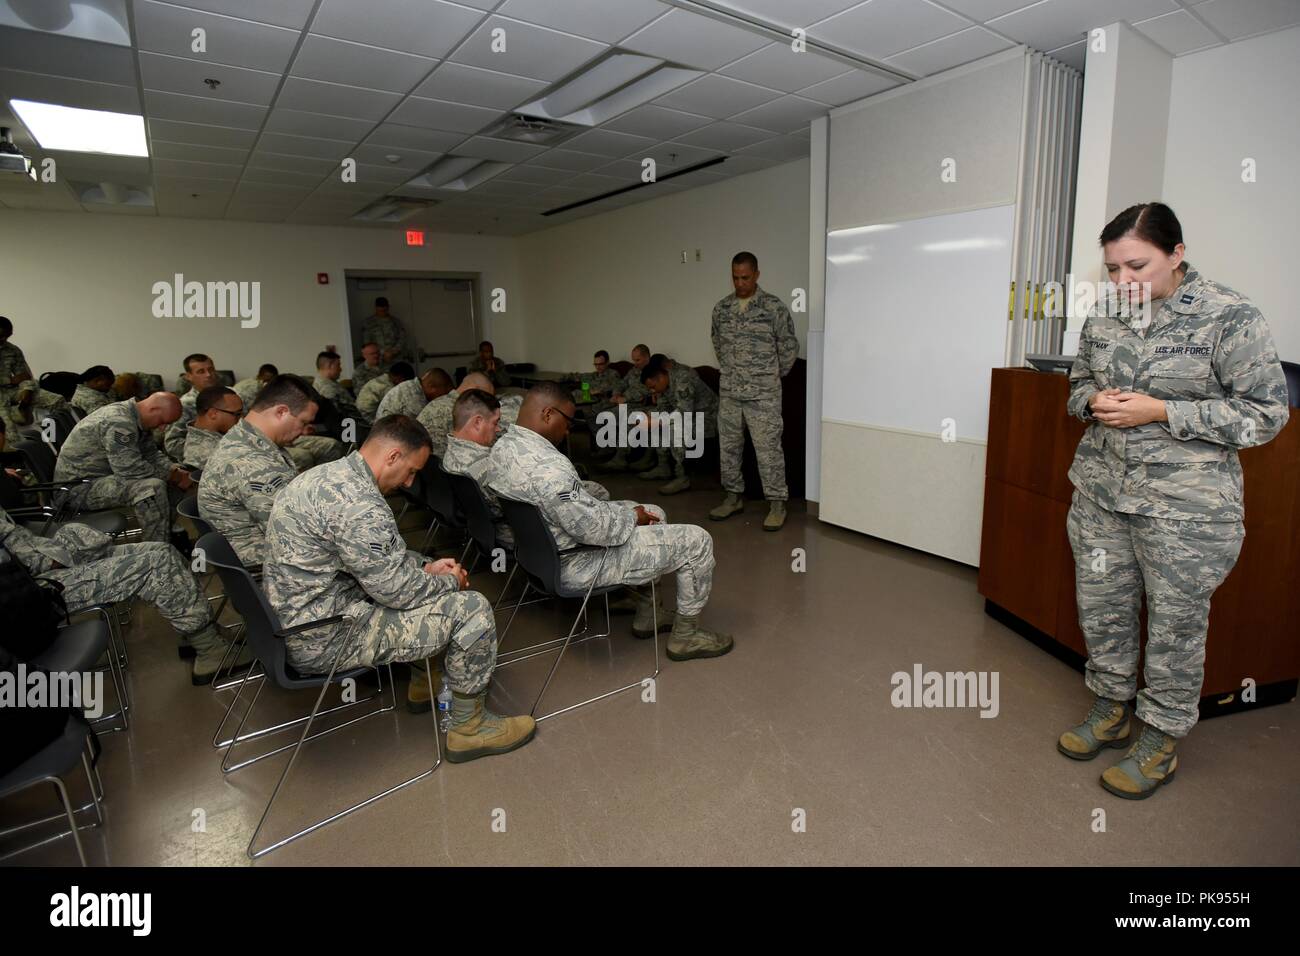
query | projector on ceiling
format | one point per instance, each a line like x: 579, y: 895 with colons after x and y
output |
x: 11, y: 158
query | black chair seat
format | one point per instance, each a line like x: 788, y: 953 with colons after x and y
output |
x: 58, y: 758
x: 77, y: 648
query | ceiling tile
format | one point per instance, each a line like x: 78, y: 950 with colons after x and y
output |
x: 882, y: 28
x: 315, y: 96
x: 983, y: 10
x: 596, y: 19
x: 725, y: 136
x: 287, y: 145
x: 173, y: 74
x: 188, y: 170
x: 656, y: 122
x: 199, y: 154
x: 367, y: 173
x: 530, y: 51
x: 717, y: 96
x: 1179, y: 32
x: 567, y: 159
x: 849, y: 87
x: 439, y: 114
x: 534, y: 175
x: 694, y: 40
x: 197, y: 109
x: 671, y: 157
x: 1056, y: 23
x: 264, y: 159
x: 257, y: 213
x: 780, y: 68
x: 270, y: 193
x: 89, y: 165
x: 790, y: 13
x: 80, y: 93
x: 66, y: 56
x: 255, y: 174
x: 458, y: 83
x: 499, y: 150
x: 1242, y: 18
x: 785, y: 115
x: 355, y: 64
x: 283, y: 13
x: 199, y: 134
x: 411, y: 160
x: 783, y: 149
x: 607, y: 142
x: 951, y: 51
x: 299, y: 123
x: 411, y: 137
x: 424, y: 27
x: 163, y: 28
x: 206, y: 188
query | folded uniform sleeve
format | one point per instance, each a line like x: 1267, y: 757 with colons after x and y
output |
x: 1254, y: 409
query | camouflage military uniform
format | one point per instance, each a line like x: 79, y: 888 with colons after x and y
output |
x: 632, y: 388
x: 526, y: 467
x: 239, y: 485
x: 756, y: 346
x: 87, y: 399
x: 336, y: 393
x: 404, y: 399
x: 12, y: 362
x: 110, y: 447
x: 1158, y: 507
x: 688, y: 394
x: 41, y: 405
x: 389, y: 333
x: 437, y: 417
x: 364, y: 374
x: 602, y: 388
x: 368, y: 398
x: 500, y: 378
x: 178, y: 431
x: 333, y: 548
x: 200, y: 443
x: 247, y: 389
x: 95, y: 572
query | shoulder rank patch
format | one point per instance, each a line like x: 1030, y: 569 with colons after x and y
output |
x: 1187, y: 298
x: 124, y: 438
x: 573, y: 493
x: 384, y: 547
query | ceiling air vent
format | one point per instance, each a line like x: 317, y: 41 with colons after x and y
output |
x: 526, y: 129
x: 392, y: 209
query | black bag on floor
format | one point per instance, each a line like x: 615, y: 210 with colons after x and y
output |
x: 31, y: 609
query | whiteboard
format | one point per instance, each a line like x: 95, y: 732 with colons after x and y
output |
x: 916, y: 316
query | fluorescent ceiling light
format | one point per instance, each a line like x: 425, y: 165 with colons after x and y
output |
x: 82, y: 131
x: 103, y: 21
x: 457, y: 173
x: 618, y: 83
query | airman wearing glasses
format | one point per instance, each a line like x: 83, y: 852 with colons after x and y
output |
x: 218, y: 409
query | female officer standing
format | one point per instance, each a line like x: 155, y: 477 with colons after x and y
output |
x: 1181, y: 376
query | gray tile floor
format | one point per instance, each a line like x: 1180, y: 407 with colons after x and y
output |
x: 795, y: 723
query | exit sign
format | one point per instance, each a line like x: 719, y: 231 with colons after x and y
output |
x: 414, y: 237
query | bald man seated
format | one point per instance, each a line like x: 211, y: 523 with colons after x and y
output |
x: 437, y: 415
x: 114, y: 447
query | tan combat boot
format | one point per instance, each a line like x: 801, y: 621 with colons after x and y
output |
x: 689, y: 641
x: 1107, y: 725
x: 643, y: 623
x: 775, y: 516
x: 1149, y: 763
x: 418, y: 698
x: 679, y: 483
x: 209, y: 650
x: 731, y: 504
x: 477, y: 732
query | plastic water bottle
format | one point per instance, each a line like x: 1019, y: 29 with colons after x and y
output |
x: 444, y: 706
x: 586, y: 391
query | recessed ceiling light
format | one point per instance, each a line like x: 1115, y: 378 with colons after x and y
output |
x: 82, y: 131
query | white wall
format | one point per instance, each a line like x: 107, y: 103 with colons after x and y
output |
x: 617, y: 279
x: 1231, y: 103
x: 1126, y: 94
x: 79, y: 287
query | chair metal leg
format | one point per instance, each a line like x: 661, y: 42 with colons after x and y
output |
x: 68, y: 813
x: 357, y: 806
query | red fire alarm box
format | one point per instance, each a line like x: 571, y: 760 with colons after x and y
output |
x: 415, y: 237
x: 322, y: 278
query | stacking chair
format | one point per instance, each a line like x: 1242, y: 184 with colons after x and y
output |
x: 441, y: 500
x: 483, y: 532
x: 188, y: 507
x: 40, y: 459
x: 540, y: 557
x: 75, y: 650
x: 266, y: 637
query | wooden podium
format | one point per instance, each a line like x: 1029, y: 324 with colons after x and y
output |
x: 1027, y: 569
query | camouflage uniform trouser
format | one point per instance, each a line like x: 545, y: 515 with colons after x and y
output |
x: 309, y: 451
x: 148, y: 496
x: 151, y: 571
x: 763, y: 417
x: 1180, y: 563
x: 461, y: 622
x: 652, y: 551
